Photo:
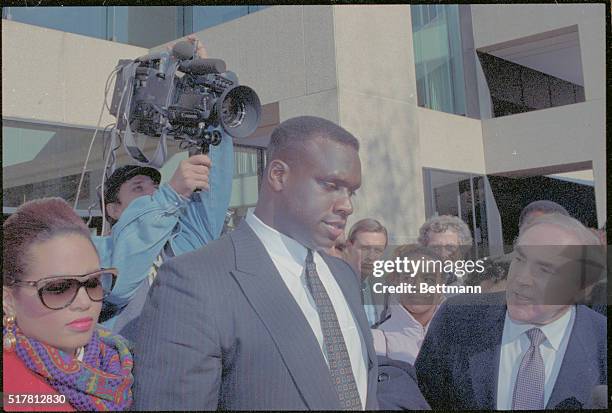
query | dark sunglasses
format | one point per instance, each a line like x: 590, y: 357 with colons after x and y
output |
x: 59, y: 292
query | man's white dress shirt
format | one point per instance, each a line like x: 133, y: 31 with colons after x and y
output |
x: 401, y: 336
x: 289, y: 257
x: 515, y: 344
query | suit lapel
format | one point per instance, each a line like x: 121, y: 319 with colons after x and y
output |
x: 576, y: 374
x: 271, y: 300
x: 484, y: 363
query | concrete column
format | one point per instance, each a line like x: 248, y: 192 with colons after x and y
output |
x: 377, y: 102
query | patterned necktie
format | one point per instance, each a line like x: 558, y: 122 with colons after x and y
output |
x: 529, y: 387
x: 337, y: 355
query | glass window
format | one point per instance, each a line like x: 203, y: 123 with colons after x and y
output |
x: 109, y: 23
x: 491, y: 204
x: 515, y: 193
x: 142, y: 26
x: 515, y: 88
x: 46, y: 160
x: 118, y: 24
x: 88, y: 21
x: 462, y: 195
x: 438, y: 58
x: 202, y: 17
x: 248, y: 170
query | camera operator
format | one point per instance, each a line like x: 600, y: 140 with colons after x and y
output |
x: 153, y: 222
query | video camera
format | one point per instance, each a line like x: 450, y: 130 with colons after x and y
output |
x: 175, y: 93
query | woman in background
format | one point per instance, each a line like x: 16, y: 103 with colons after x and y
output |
x: 53, y: 289
x: 400, y: 335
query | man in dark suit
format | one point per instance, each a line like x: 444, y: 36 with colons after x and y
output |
x: 397, y: 386
x: 532, y: 347
x: 273, y: 323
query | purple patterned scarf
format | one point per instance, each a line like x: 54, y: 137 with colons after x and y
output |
x: 102, y: 381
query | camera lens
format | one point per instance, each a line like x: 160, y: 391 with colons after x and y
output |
x: 239, y: 111
x: 232, y: 112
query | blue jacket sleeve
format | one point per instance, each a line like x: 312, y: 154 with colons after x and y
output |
x: 137, y: 239
x: 204, y: 216
x: 149, y: 222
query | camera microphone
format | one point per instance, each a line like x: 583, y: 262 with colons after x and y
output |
x: 184, y: 50
x: 202, y: 66
x: 181, y: 51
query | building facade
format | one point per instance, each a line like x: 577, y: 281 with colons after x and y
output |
x: 467, y: 110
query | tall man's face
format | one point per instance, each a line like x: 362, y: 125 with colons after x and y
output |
x: 317, y: 195
x: 545, y: 275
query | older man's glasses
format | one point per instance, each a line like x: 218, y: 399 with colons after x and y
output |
x: 59, y: 292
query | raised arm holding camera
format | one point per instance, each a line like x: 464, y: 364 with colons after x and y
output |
x: 153, y: 222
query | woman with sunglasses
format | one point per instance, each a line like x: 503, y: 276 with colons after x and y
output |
x: 55, y: 357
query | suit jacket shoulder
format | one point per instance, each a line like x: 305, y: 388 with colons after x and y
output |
x: 224, y: 332
x: 397, y: 386
x: 218, y: 254
x: 457, y: 366
x: 467, y: 319
x: 457, y: 361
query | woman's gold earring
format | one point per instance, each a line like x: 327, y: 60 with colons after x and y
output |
x: 9, y: 342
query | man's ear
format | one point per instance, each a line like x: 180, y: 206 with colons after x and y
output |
x: 8, y: 303
x: 349, y: 244
x: 350, y: 252
x: 277, y: 175
x: 113, y: 209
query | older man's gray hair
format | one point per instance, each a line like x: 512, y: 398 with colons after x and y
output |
x: 583, y: 234
x: 543, y: 206
x: 593, y: 253
x: 443, y: 223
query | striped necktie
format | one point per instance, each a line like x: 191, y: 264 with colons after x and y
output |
x: 337, y: 355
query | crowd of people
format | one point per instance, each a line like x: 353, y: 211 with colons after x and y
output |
x: 280, y: 314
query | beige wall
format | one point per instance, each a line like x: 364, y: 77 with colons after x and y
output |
x: 564, y: 134
x: 353, y: 65
x: 323, y: 104
x: 450, y: 141
x: 550, y: 137
x: 377, y: 101
x: 554, y: 136
x: 57, y: 77
x: 285, y: 53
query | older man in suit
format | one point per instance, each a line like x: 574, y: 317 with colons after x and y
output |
x: 531, y: 347
x: 274, y: 323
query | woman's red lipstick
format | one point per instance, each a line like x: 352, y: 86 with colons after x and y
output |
x: 82, y: 324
